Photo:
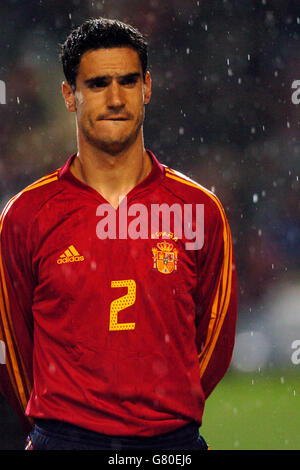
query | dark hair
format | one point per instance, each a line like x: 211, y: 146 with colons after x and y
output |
x: 96, y: 34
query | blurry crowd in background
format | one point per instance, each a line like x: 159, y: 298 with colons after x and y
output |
x: 221, y: 112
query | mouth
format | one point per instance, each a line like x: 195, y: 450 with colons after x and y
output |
x: 114, y: 119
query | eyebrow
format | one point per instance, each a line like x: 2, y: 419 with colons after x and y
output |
x: 99, y: 78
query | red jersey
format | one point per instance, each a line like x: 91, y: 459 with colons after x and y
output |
x: 121, y: 335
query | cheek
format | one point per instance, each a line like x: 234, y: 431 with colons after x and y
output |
x: 86, y: 109
x: 138, y: 105
x: 79, y: 98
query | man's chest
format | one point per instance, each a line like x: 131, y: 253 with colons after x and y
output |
x: 111, y: 283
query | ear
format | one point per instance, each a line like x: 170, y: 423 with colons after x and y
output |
x: 69, y: 96
x: 148, y: 86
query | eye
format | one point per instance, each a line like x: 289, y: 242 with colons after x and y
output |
x: 98, y: 83
x: 128, y: 81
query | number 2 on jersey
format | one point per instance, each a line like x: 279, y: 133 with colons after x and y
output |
x: 121, y: 303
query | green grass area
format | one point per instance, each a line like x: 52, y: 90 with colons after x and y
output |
x: 257, y: 411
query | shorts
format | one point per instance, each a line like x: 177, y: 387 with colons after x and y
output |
x: 58, y: 435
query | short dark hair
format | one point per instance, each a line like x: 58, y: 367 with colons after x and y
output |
x: 97, y: 34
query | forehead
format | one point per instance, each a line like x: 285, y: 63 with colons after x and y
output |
x: 113, y: 61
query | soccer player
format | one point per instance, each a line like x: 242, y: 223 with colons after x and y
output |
x: 118, y: 282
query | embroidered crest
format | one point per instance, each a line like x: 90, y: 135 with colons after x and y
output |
x: 165, y: 257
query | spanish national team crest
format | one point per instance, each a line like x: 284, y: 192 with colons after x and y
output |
x: 165, y: 257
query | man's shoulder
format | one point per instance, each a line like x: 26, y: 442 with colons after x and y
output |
x: 27, y: 202
x: 190, y: 191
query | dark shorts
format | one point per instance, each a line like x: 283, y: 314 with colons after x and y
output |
x: 57, y: 435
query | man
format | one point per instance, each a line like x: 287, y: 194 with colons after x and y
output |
x: 116, y: 325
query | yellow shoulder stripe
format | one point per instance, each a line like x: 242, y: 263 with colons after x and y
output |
x: 185, y: 180
x: 223, y: 291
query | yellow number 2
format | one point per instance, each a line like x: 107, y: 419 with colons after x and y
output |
x: 121, y: 303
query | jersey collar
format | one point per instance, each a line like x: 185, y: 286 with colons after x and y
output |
x: 154, y: 178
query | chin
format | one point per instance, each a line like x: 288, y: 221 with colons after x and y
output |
x: 113, y: 147
x: 113, y: 142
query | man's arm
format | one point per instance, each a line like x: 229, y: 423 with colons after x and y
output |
x: 216, y: 302
x: 16, y: 325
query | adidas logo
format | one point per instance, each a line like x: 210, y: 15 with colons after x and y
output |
x: 70, y: 256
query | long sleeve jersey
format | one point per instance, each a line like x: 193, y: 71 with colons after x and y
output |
x: 121, y: 325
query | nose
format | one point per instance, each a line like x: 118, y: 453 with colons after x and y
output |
x: 115, y: 99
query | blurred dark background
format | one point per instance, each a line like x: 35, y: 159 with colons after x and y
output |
x: 221, y: 112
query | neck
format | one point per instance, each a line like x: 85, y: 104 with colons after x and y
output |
x: 112, y: 176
